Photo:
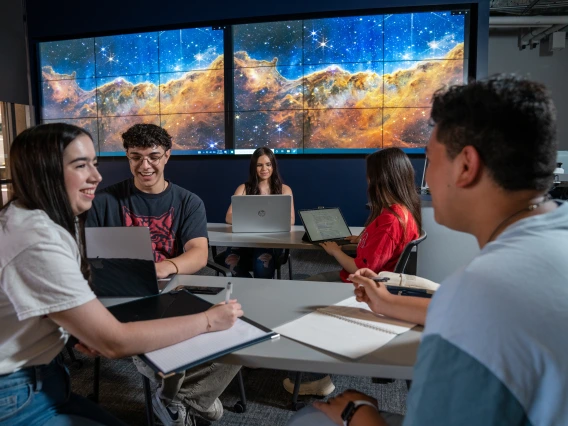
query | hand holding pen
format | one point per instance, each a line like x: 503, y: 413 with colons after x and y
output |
x: 224, y: 315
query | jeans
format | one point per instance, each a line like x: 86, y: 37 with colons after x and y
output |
x: 41, y: 395
x: 312, y: 416
x: 196, y: 388
x: 242, y: 260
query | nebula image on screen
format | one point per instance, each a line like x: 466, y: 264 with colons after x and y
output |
x: 163, y: 78
x: 341, y: 84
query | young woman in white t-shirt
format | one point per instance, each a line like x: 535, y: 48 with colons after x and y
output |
x: 44, y: 284
x: 264, y: 179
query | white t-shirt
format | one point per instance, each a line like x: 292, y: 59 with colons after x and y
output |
x: 39, y: 274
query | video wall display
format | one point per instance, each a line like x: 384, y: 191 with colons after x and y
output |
x: 332, y: 85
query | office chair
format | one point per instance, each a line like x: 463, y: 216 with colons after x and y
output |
x: 399, y: 268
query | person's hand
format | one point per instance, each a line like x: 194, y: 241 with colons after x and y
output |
x: 223, y: 315
x: 335, y: 406
x: 374, y: 294
x: 265, y: 259
x: 164, y: 269
x: 353, y: 239
x: 331, y: 247
x: 86, y: 350
x: 232, y: 260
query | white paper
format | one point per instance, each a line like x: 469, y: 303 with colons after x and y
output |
x: 358, y: 332
x: 173, y: 357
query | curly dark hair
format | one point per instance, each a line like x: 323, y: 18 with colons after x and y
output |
x: 146, y: 136
x: 509, y: 120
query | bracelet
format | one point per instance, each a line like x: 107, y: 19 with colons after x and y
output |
x: 208, y: 323
x: 351, y: 408
x: 173, y: 263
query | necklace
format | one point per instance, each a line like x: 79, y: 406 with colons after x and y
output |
x: 165, y: 185
x: 529, y: 208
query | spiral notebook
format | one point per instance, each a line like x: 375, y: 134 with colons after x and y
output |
x: 348, y: 328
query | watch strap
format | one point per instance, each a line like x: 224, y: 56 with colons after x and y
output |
x: 352, y: 407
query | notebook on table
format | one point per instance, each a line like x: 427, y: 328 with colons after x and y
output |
x: 261, y: 213
x: 121, y: 261
x: 197, y: 350
x: 325, y: 224
x: 348, y: 328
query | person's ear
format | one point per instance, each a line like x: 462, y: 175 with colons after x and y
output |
x: 167, y: 155
x: 469, y: 167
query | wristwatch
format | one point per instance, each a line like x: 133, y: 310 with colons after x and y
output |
x: 350, y: 409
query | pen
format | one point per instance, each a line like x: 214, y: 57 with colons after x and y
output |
x: 228, y: 291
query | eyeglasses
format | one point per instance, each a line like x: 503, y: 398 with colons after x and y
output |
x: 152, y: 159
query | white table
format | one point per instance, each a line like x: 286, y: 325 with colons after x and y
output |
x: 221, y: 234
x: 276, y: 302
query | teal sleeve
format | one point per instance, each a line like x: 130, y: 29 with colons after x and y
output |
x: 450, y: 387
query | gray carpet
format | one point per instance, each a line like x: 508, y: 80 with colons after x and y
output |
x: 268, y: 403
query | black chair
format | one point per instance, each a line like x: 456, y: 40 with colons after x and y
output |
x: 403, y: 259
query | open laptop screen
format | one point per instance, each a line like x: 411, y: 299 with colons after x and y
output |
x: 122, y: 261
x: 324, y: 224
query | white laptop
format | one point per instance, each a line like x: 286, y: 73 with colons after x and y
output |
x: 261, y: 213
x: 122, y: 261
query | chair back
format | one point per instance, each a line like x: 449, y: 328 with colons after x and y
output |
x: 403, y: 260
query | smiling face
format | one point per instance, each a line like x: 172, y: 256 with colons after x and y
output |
x: 147, y: 166
x: 80, y: 173
x: 264, y: 167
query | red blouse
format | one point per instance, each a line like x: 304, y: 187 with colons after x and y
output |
x: 383, y: 241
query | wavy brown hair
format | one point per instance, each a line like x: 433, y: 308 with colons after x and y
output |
x: 36, y: 164
x: 251, y: 186
x: 391, y: 181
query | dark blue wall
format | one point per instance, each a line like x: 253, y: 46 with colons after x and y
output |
x: 315, y: 180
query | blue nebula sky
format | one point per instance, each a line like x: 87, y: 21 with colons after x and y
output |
x: 134, y: 54
x: 319, y: 43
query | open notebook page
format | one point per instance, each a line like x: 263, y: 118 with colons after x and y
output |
x: 348, y: 328
x: 203, y: 346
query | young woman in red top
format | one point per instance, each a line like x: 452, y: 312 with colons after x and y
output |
x: 394, y: 221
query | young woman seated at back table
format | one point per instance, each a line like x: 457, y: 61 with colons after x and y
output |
x: 264, y: 179
x: 393, y: 222
x: 44, y: 285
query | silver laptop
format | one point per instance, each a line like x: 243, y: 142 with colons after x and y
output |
x: 325, y: 224
x: 122, y: 261
x: 261, y: 213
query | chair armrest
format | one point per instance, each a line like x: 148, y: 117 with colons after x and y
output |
x: 218, y: 268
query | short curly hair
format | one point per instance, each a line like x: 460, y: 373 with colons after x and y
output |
x: 509, y: 120
x: 146, y: 136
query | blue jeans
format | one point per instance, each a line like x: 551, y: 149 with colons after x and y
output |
x: 42, y: 395
x: 261, y: 261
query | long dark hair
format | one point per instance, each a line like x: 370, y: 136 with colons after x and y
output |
x: 391, y: 181
x: 36, y: 164
x: 251, y: 186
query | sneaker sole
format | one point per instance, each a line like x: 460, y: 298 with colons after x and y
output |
x: 289, y: 386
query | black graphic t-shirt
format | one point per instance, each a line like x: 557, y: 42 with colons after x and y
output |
x: 174, y: 216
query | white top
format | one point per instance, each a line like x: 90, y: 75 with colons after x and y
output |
x: 39, y: 274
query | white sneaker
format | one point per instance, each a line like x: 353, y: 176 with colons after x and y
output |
x: 213, y: 413
x: 321, y: 387
x: 172, y: 414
